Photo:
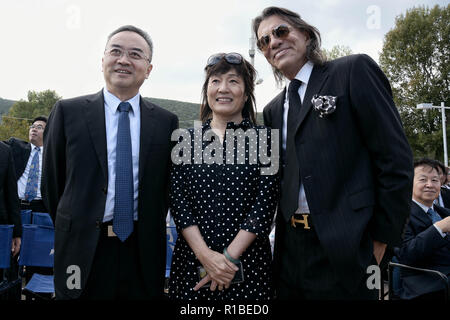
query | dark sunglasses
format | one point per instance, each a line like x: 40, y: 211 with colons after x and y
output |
x: 280, y: 32
x: 232, y: 58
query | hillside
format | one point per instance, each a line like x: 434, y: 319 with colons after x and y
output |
x: 187, y: 112
x: 5, y: 105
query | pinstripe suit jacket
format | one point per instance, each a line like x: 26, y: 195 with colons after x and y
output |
x: 355, y: 164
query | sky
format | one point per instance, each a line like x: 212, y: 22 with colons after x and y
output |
x: 59, y: 44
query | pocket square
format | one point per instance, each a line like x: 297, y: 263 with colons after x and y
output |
x: 325, y: 105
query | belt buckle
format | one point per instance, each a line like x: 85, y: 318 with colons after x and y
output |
x: 111, y: 232
x: 303, y: 221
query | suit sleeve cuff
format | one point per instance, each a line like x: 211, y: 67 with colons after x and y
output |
x: 439, y: 230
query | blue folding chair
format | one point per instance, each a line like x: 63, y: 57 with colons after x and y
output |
x: 6, y: 232
x: 37, y: 251
x: 25, y: 216
x: 42, y: 219
x: 171, y: 239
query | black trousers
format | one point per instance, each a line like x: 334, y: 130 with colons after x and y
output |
x: 305, y: 273
x: 116, y: 270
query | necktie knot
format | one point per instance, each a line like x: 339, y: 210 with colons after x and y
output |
x: 294, y: 85
x: 37, y: 149
x: 124, y: 107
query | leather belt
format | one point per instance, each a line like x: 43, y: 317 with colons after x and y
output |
x: 301, y: 218
x: 107, y: 228
x: 27, y: 203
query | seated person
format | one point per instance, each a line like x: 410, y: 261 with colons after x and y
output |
x: 443, y: 199
x: 426, y: 242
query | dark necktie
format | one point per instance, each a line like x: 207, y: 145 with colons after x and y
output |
x: 124, y: 197
x: 33, y: 177
x: 291, y: 180
x: 435, y: 217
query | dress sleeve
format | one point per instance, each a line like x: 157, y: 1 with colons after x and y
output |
x: 179, y: 197
x: 259, y: 218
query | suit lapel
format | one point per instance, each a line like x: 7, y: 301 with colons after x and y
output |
x: 27, y: 152
x: 95, y: 117
x: 443, y: 212
x: 148, y: 125
x: 277, y: 115
x: 278, y: 109
x: 421, y: 215
x: 317, y: 79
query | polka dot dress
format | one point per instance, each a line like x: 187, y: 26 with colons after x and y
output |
x: 221, y: 199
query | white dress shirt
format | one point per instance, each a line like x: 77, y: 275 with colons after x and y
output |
x: 303, y: 75
x: 112, y: 121
x: 425, y: 208
x: 22, y: 182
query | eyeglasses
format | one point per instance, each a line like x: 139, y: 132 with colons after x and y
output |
x: 232, y: 58
x: 131, y: 54
x: 280, y: 32
x: 37, y: 127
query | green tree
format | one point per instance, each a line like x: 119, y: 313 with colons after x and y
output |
x: 38, y: 104
x: 415, y: 58
x: 337, y: 52
x: 17, y: 121
x: 12, y: 127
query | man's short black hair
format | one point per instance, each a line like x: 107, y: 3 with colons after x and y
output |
x: 441, y: 167
x: 426, y: 162
x: 40, y: 118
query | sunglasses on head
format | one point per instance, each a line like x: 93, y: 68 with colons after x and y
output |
x: 280, y: 32
x: 232, y: 58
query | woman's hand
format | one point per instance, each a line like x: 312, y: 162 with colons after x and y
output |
x: 219, y: 270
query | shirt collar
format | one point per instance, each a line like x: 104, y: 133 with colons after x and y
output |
x: 304, y: 74
x: 33, y: 146
x: 424, y: 207
x: 112, y: 102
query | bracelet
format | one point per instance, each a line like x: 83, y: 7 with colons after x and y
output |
x: 225, y: 253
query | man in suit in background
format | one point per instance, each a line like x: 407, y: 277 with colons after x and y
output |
x: 28, y: 163
x: 426, y: 242
x: 106, y: 170
x: 10, y: 211
x: 443, y: 199
x: 9, y: 202
x: 347, y: 166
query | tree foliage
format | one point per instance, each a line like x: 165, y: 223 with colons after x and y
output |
x: 11, y: 127
x: 38, y: 104
x: 415, y: 58
x: 17, y: 121
x: 337, y: 52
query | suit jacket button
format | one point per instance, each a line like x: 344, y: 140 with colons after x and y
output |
x: 105, y: 190
x: 98, y: 224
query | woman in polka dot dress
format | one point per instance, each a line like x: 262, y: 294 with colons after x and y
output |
x: 222, y: 198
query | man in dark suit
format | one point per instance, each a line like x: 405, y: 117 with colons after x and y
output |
x: 106, y: 169
x: 10, y: 212
x: 426, y: 241
x: 9, y: 202
x: 28, y: 163
x: 347, y: 166
x: 443, y: 199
